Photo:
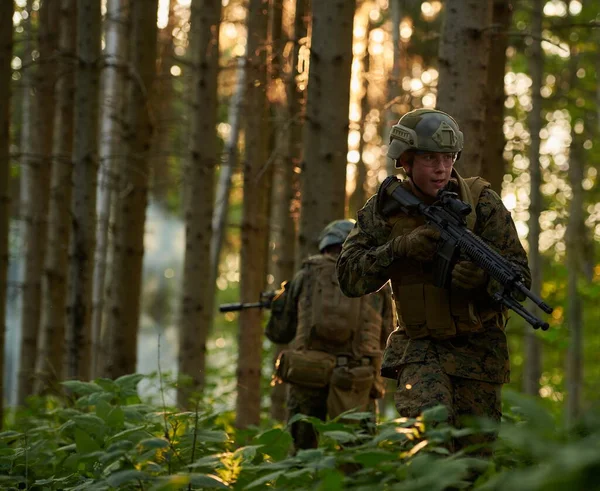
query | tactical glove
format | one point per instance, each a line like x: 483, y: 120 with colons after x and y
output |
x: 468, y: 276
x: 420, y: 244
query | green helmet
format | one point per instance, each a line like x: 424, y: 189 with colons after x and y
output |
x: 335, y: 233
x: 429, y: 130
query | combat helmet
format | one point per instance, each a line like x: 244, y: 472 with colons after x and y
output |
x: 428, y: 130
x: 335, y: 233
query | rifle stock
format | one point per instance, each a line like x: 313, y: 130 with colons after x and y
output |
x: 449, y: 217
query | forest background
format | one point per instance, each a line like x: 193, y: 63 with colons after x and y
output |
x: 161, y: 157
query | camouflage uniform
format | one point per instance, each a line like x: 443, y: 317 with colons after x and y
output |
x: 282, y: 329
x: 464, y: 373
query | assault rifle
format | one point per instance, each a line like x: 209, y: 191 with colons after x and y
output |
x: 266, y: 298
x: 448, y: 216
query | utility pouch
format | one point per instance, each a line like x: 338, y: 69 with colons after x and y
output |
x: 306, y: 368
x: 350, y: 389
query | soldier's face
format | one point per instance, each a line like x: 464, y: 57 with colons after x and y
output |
x: 431, y: 171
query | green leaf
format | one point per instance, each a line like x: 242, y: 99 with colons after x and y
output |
x: 107, y: 384
x: 154, y: 443
x: 81, y: 388
x: 437, y: 414
x: 131, y: 434
x: 85, y: 443
x: 209, y: 461
x: 213, y: 436
x: 123, y: 477
x: 371, y: 458
x: 128, y: 383
x: 265, y: 479
x: 275, y: 443
x: 207, y: 481
x: 116, y: 417
x: 340, y: 436
x: 10, y: 435
x: 332, y: 481
x: 103, y: 409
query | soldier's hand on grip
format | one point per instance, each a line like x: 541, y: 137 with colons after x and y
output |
x: 420, y: 244
x: 468, y: 275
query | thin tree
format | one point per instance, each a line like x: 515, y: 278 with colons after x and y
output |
x: 255, y: 217
x: 6, y: 45
x: 36, y: 161
x: 463, y: 61
x: 493, y: 162
x: 126, y: 267
x: 393, y: 81
x: 574, y: 238
x: 51, y: 350
x: 229, y: 162
x: 323, y: 178
x: 83, y: 205
x: 359, y: 196
x: 163, y: 104
x: 196, y: 303
x: 532, y: 369
x: 111, y: 162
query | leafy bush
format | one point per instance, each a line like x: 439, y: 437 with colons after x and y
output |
x: 104, y: 437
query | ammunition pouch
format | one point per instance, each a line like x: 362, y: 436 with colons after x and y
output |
x: 306, y: 368
x: 350, y: 388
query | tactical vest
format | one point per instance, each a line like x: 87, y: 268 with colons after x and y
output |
x: 424, y: 309
x: 331, y: 322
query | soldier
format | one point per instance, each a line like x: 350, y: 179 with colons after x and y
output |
x: 337, y: 342
x: 450, y: 347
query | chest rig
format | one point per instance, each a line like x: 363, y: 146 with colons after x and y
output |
x: 426, y: 310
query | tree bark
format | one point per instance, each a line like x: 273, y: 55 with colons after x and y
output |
x: 575, y: 252
x: 36, y: 174
x: 111, y: 160
x: 6, y: 46
x: 85, y: 169
x: 463, y: 62
x: 126, y: 267
x: 359, y: 196
x: 394, y: 82
x: 50, y: 363
x: 166, y: 117
x: 255, y: 217
x: 323, y: 177
x: 532, y: 369
x: 493, y: 167
x: 196, y: 303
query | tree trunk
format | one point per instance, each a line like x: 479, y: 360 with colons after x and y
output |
x: 394, y: 84
x: 126, y: 268
x: 532, y: 369
x: 111, y: 161
x: 255, y: 218
x: 574, y: 243
x: 196, y: 304
x: 463, y: 61
x: 228, y: 164
x: 6, y: 45
x: 359, y: 196
x: 493, y: 162
x: 50, y: 363
x: 323, y: 178
x: 166, y: 117
x: 36, y: 166
x: 85, y: 169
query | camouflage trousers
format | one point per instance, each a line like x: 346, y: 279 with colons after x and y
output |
x: 310, y: 402
x: 424, y: 385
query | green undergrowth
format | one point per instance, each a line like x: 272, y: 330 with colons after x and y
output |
x: 103, y: 437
